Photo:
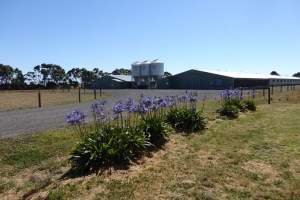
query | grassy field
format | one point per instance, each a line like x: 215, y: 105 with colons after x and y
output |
x: 18, y: 99
x: 254, y: 157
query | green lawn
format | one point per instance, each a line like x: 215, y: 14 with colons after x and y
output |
x: 254, y: 157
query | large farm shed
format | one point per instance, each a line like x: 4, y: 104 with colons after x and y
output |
x: 217, y: 80
x: 113, y: 82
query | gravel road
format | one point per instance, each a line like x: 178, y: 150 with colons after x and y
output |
x: 26, y: 121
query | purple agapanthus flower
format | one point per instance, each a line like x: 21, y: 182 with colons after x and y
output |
x: 119, y: 107
x: 230, y: 94
x: 183, y: 98
x: 133, y: 109
x: 147, y: 101
x: 99, y: 111
x: 75, y: 117
x: 98, y: 106
x: 129, y: 106
x: 163, y: 103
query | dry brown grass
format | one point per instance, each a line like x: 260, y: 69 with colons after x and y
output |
x: 253, y: 157
x: 19, y: 99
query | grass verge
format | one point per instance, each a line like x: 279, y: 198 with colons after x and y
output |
x: 254, y: 157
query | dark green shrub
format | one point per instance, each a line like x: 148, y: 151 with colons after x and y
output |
x: 229, y: 110
x: 185, y: 119
x: 250, y: 104
x: 110, y: 146
x: 156, y: 130
x: 238, y: 103
x: 242, y: 106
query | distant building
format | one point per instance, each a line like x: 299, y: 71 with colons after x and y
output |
x: 150, y: 75
x: 218, y: 80
x: 143, y: 75
x: 114, y: 82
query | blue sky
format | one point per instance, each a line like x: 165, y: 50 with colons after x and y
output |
x: 235, y: 35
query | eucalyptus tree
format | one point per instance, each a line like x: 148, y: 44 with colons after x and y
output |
x: 50, y: 73
x: 121, y: 71
x: 6, y: 74
x: 297, y: 74
x: 74, y: 75
x: 18, y: 79
x: 167, y: 74
x: 275, y: 73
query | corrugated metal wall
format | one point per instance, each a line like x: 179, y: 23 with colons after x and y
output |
x: 108, y: 82
x: 197, y: 80
x: 250, y: 82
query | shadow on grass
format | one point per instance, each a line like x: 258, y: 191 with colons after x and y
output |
x: 75, y: 172
x: 188, y: 131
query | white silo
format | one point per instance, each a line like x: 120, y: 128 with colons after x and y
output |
x: 136, y: 69
x: 146, y: 73
x: 145, y: 66
x: 156, y: 68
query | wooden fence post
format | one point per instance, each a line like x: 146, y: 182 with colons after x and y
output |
x: 39, y: 99
x: 269, y: 95
x: 79, y: 95
x: 95, y: 94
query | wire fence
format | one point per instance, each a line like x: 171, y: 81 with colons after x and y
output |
x: 19, y: 99
x: 273, y: 94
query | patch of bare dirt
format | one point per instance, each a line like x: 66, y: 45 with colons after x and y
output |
x: 32, y: 180
x: 266, y: 171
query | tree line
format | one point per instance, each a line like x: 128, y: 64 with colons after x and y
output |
x: 277, y: 74
x: 51, y: 76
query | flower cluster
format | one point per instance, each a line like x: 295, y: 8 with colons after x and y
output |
x: 144, y: 105
x: 191, y: 97
x: 75, y: 117
x: 231, y: 94
x: 130, y: 106
x: 119, y: 107
x: 99, y: 113
x: 235, y: 101
x: 128, y: 112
